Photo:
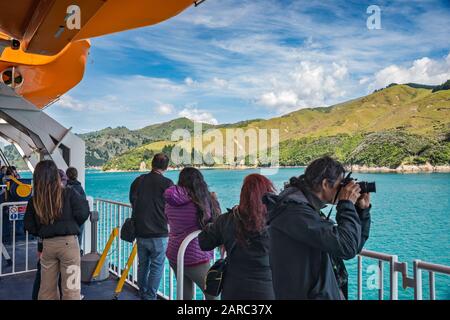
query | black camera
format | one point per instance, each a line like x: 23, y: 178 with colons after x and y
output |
x: 366, y: 187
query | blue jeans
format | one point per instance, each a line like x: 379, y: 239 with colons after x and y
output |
x: 151, y: 255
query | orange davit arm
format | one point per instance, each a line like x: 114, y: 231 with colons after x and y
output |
x: 52, y: 57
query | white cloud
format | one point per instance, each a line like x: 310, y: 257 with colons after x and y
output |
x: 68, y: 102
x: 284, y: 100
x: 424, y: 71
x: 340, y: 71
x: 189, y: 81
x: 307, y: 85
x: 100, y: 104
x: 210, y: 21
x: 221, y: 83
x: 165, y: 109
x: 364, y: 80
x: 198, y: 115
x: 207, y: 15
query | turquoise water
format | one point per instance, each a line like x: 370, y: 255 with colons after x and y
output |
x: 410, y: 216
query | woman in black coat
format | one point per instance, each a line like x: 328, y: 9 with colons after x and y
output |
x: 242, y: 231
x: 54, y: 214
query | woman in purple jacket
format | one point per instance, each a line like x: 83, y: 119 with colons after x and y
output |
x: 189, y: 207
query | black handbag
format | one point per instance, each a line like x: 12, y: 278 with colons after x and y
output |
x: 128, y: 230
x: 216, y: 275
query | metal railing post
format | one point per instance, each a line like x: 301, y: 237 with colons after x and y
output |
x: 381, y: 280
x: 359, y: 277
x: 394, y: 278
x: 417, y: 280
x: 26, y: 250
x: 119, y: 243
x: 94, y: 228
x: 432, y: 286
x: 14, y: 248
x: 87, y: 234
x: 170, y: 283
x: 180, y: 262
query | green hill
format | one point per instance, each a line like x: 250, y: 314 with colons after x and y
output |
x: 399, y: 107
x: 105, y: 144
x: 132, y: 159
x: 401, y: 124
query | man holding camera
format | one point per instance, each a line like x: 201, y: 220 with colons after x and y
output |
x: 306, y: 248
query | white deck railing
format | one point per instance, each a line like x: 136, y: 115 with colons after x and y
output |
x: 395, y: 268
x: 10, y: 252
x: 19, y: 255
x: 113, y: 214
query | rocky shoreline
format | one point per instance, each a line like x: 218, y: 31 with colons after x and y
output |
x: 404, y: 168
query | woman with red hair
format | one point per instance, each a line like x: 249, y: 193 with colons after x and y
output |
x: 242, y: 230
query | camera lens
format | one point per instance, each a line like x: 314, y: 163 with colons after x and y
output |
x: 367, y: 187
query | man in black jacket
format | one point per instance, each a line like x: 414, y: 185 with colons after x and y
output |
x: 307, y: 249
x: 146, y: 198
x: 72, y: 182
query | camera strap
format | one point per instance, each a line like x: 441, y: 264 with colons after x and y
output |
x: 334, y: 201
x: 337, y: 193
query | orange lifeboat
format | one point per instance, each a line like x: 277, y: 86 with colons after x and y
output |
x: 44, y: 46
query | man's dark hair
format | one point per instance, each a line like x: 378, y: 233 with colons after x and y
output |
x: 72, y: 173
x: 321, y: 168
x: 160, y: 161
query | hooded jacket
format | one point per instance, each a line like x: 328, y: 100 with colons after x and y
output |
x: 182, y: 216
x: 305, y: 248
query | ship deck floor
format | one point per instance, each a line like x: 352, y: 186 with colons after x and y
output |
x: 19, y: 286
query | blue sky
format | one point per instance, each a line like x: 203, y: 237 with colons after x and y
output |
x: 227, y: 61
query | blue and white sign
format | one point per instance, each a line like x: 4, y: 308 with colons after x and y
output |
x: 16, y: 213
